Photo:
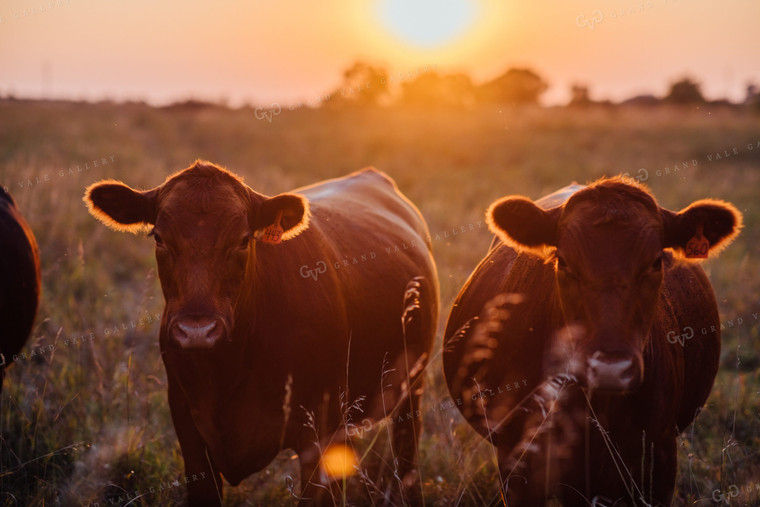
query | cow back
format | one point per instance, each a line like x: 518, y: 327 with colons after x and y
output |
x: 19, y: 278
x: 364, y: 244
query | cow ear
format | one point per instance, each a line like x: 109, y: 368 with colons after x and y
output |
x: 293, y: 211
x: 523, y: 225
x: 719, y: 222
x: 121, y: 207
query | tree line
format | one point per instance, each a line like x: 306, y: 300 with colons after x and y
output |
x: 365, y: 84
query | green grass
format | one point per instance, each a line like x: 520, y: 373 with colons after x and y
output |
x: 88, y: 421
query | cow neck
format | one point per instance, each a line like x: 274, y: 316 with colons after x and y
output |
x: 253, y: 343
x: 543, y: 276
x: 556, y: 314
x: 253, y: 310
x: 245, y: 309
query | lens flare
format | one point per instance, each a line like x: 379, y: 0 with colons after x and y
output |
x: 339, y: 461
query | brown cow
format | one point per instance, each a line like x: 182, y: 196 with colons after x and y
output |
x: 559, y: 345
x: 19, y: 281
x: 262, y: 355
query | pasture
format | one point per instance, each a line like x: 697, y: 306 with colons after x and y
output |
x: 84, y: 418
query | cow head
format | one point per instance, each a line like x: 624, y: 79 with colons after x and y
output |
x: 203, y: 220
x: 607, y: 244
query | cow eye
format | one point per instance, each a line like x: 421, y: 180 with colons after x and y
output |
x: 657, y: 264
x: 561, y: 264
x: 244, y: 243
x: 157, y: 237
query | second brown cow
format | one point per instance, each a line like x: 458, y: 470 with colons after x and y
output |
x: 558, y: 345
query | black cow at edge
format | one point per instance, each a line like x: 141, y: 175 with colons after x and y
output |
x: 558, y: 344
x: 269, y: 316
x: 19, y: 281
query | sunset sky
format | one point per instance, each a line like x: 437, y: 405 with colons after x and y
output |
x: 287, y: 50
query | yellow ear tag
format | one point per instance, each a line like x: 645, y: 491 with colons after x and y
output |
x: 273, y: 233
x: 698, y: 246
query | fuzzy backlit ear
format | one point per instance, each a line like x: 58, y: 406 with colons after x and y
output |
x: 294, y: 210
x: 720, y: 223
x: 523, y: 225
x: 120, y: 207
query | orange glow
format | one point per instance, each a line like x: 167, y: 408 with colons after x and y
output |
x: 291, y: 50
x: 390, y: 41
x: 339, y: 461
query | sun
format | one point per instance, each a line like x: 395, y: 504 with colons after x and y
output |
x: 427, y: 23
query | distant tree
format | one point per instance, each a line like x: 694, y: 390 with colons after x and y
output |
x: 518, y: 86
x: 752, y: 91
x: 753, y: 96
x: 363, y: 84
x: 191, y: 104
x: 579, y: 95
x: 647, y: 100
x: 432, y: 89
x: 685, y: 91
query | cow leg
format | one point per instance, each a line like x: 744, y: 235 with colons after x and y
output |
x: 664, y: 473
x: 521, y: 472
x: 313, y: 492
x: 543, y: 463
x: 513, y: 483
x: 405, y: 427
x: 207, y: 490
x: 658, y: 462
x: 405, y: 430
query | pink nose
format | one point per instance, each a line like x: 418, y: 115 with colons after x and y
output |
x: 613, y: 372
x: 196, y: 332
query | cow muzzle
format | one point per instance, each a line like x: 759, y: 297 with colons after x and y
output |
x: 613, y: 372
x: 197, y: 331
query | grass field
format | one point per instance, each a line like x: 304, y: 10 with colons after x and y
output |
x: 84, y: 417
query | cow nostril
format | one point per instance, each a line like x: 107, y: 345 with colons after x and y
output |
x: 601, y: 359
x: 197, y: 332
x: 196, y: 329
x: 613, y: 372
